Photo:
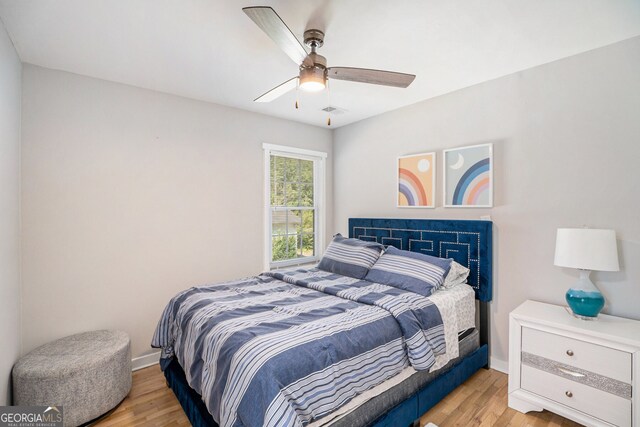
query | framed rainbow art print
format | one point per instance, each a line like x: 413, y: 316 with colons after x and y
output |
x: 468, y: 177
x: 417, y: 181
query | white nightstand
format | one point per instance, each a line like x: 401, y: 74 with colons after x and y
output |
x: 586, y: 371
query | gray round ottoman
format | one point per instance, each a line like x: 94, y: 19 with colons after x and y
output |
x: 88, y: 374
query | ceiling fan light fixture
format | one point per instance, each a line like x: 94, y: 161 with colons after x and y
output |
x: 313, y: 79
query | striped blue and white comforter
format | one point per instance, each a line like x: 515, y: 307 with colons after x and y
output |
x: 284, y: 348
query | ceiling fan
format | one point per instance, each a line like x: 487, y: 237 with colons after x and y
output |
x: 313, y: 71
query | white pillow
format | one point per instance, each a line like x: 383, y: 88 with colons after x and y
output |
x: 457, y: 275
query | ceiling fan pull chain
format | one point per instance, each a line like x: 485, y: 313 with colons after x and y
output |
x: 329, y: 103
x: 297, y: 92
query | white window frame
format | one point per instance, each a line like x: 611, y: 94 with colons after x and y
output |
x: 319, y: 172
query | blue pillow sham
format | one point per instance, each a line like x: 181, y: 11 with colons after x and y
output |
x: 411, y: 271
x: 350, y: 257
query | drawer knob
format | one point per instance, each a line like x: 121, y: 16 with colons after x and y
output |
x: 568, y: 393
x: 569, y: 352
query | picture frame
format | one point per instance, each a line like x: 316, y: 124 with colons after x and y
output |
x: 416, y: 181
x: 468, y: 176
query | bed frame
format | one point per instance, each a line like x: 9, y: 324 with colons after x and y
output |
x: 467, y: 242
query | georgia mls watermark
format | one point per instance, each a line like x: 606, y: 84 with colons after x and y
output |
x: 31, y: 416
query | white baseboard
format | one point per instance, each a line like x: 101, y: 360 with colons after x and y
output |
x: 499, y: 365
x: 145, y: 361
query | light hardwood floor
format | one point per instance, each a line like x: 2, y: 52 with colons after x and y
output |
x: 481, y: 401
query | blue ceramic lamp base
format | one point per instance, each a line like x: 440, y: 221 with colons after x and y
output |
x: 584, y: 299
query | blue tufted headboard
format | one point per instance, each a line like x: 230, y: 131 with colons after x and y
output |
x: 467, y: 242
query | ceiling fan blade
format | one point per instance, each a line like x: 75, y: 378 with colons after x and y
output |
x: 268, y: 20
x: 376, y: 77
x: 278, y: 91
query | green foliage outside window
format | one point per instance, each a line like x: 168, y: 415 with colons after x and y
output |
x: 292, y: 187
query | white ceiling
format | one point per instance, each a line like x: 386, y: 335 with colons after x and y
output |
x: 211, y: 51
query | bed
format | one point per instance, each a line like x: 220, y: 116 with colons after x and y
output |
x: 400, y: 395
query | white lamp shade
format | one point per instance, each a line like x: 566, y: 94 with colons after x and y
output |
x: 587, y: 249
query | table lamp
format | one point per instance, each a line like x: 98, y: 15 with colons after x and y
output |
x: 586, y: 249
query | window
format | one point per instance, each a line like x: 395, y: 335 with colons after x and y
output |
x: 294, y: 199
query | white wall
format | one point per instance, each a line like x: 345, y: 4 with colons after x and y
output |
x: 10, y: 70
x: 130, y: 196
x: 566, y: 150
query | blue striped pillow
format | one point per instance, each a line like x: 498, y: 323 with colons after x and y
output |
x: 350, y: 257
x: 411, y: 271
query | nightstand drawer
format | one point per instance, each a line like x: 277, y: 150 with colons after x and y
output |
x: 601, y: 360
x: 600, y: 404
